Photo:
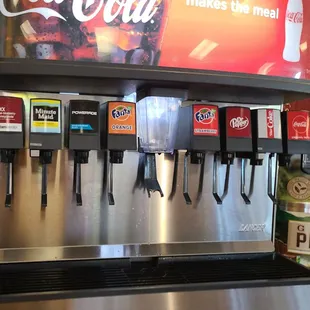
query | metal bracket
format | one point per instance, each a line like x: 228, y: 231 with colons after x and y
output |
x: 219, y: 199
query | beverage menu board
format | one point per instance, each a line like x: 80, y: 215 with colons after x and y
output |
x: 266, y: 37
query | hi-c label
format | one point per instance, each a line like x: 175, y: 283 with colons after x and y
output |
x: 122, y: 118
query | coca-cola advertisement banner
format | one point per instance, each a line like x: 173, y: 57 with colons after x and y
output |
x: 267, y: 37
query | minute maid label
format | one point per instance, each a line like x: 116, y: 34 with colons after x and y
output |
x: 45, y: 115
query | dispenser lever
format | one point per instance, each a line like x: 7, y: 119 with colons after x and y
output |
x: 45, y: 159
x: 7, y: 156
x: 269, y: 182
x: 78, y: 188
x: 242, y: 188
x: 219, y: 199
x: 150, y: 175
x: 110, y: 186
x: 185, y: 180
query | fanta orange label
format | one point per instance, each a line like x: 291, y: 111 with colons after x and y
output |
x: 122, y: 118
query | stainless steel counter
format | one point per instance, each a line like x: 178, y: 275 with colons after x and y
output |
x: 275, y: 298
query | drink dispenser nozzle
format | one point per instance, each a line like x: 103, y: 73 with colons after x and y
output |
x: 83, y: 135
x: 118, y: 134
x: 157, y: 119
x: 45, y: 135
x: 296, y: 138
x: 236, y: 138
x: 11, y: 137
x: 204, y: 137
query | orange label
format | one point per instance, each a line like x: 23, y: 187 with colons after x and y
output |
x: 122, y: 118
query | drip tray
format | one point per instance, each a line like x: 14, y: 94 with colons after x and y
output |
x: 38, y: 281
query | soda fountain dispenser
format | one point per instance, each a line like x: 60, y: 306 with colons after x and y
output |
x: 157, y: 126
x: 204, y: 136
x: 296, y: 137
x: 11, y: 137
x: 118, y: 134
x: 83, y: 136
x: 45, y: 135
x: 236, y: 136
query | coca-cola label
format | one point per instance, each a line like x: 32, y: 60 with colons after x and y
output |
x: 132, y: 11
x: 238, y: 122
x: 295, y: 17
x: 205, y: 120
x: 269, y: 124
x: 298, y: 125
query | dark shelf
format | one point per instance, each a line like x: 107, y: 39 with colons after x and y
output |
x: 54, y: 280
x: 119, y: 79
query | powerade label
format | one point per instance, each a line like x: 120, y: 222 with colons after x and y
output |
x: 122, y: 118
x: 205, y: 120
x: 84, y: 117
x: 11, y: 113
x: 45, y: 116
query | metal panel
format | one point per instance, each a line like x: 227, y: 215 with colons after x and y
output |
x: 135, y: 219
x: 275, y: 298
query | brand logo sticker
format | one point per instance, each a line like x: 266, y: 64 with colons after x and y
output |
x: 239, y: 123
x: 121, y: 113
x: 205, y: 115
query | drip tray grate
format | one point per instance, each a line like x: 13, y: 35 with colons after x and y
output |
x: 100, y: 278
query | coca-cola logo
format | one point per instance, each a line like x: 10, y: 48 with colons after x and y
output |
x: 132, y: 10
x: 270, y: 120
x: 295, y: 17
x: 239, y: 123
x: 300, y: 124
x: 205, y: 115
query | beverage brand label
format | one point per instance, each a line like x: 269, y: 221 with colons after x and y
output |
x: 45, y: 116
x: 238, y: 122
x: 295, y: 17
x: 130, y: 10
x: 122, y: 118
x: 11, y: 113
x: 84, y: 117
x: 298, y: 125
x: 269, y: 124
x: 205, y: 120
x: 298, y: 237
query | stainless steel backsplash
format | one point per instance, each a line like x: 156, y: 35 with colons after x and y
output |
x: 135, y: 218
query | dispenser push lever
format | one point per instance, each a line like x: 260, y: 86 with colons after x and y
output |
x: 269, y: 181
x: 7, y: 157
x: 219, y: 199
x: 45, y: 159
x: 185, y: 180
x: 80, y: 157
x: 242, y: 187
x: 110, y: 186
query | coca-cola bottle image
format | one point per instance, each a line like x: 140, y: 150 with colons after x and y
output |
x: 43, y: 38
x: 293, y: 30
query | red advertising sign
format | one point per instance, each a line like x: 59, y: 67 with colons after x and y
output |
x: 238, y: 122
x: 11, y: 114
x: 298, y: 125
x: 205, y: 120
x: 267, y: 37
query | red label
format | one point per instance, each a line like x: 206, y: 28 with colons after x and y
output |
x: 11, y: 114
x: 205, y: 120
x: 238, y: 122
x: 270, y: 123
x: 298, y: 125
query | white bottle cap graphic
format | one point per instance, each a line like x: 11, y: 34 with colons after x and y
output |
x: 293, y: 30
